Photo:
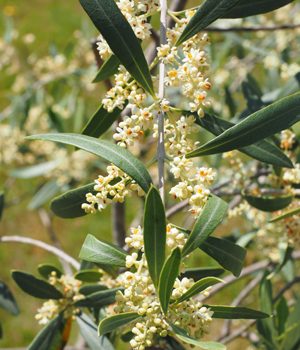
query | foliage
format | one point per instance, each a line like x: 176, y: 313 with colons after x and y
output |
x: 153, y: 286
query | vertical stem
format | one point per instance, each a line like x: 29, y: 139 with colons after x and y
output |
x: 161, y: 93
x: 118, y: 222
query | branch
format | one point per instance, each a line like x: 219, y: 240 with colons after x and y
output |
x: 27, y: 240
x: 242, y: 295
x: 161, y: 94
x: 258, y: 266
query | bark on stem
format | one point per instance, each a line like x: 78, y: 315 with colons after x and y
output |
x: 161, y: 93
x: 27, y: 240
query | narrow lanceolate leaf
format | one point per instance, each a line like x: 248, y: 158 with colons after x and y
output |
x: 35, y: 170
x: 167, y: 278
x: 99, y: 299
x: 88, y: 330
x: 287, y: 214
x: 202, y: 272
x: 227, y: 254
x: 269, y: 204
x: 120, y: 37
x: 100, y: 122
x: 236, y: 313
x: 108, y: 68
x: 182, y: 335
x: 92, y: 288
x: 88, y: 275
x: 257, y: 126
x: 120, y: 157
x: 198, y: 287
x: 44, y: 194
x: 111, y: 323
x: 1, y: 203
x: 207, y: 13
x: 102, y: 252
x: 263, y: 150
x: 154, y: 233
x: 255, y: 7
x: 45, y: 270
x: 7, y: 300
x: 211, y: 216
x: 68, y: 205
x: 53, y: 336
x: 35, y: 287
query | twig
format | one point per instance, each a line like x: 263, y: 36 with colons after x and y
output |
x: 242, y: 295
x: 288, y: 286
x: 43, y: 245
x: 118, y: 223
x: 161, y: 93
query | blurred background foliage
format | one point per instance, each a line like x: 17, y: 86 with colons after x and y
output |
x: 47, y: 65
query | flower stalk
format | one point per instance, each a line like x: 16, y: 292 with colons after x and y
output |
x: 161, y: 93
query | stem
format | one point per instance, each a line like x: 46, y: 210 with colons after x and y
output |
x: 43, y: 245
x: 161, y: 93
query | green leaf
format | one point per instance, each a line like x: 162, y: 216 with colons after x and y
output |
x: 211, y: 216
x: 100, y: 122
x: 154, y: 233
x: 245, y: 8
x: 108, y: 68
x: 35, y: 287
x: 202, y: 272
x: 111, y: 323
x: 207, y: 13
x: 282, y: 314
x: 102, y: 252
x: 68, y: 204
x: 46, y: 192
x: 89, y: 333
x: 120, y: 37
x: 120, y: 157
x: 35, y: 170
x: 45, y: 270
x: 236, y: 313
x: 227, y: 254
x: 51, y: 337
x: 266, y: 327
x: 257, y: 126
x: 88, y: 275
x: 287, y: 214
x: 292, y: 329
x: 1, y: 204
x: 7, y: 300
x: 92, y: 288
x: 182, y: 335
x: 198, y: 287
x: 269, y: 204
x: 99, y: 299
x: 169, y: 273
x: 263, y: 150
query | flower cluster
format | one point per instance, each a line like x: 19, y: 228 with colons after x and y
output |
x: 111, y: 188
x: 187, y: 66
x: 69, y: 287
x: 193, y: 181
x: 140, y: 296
